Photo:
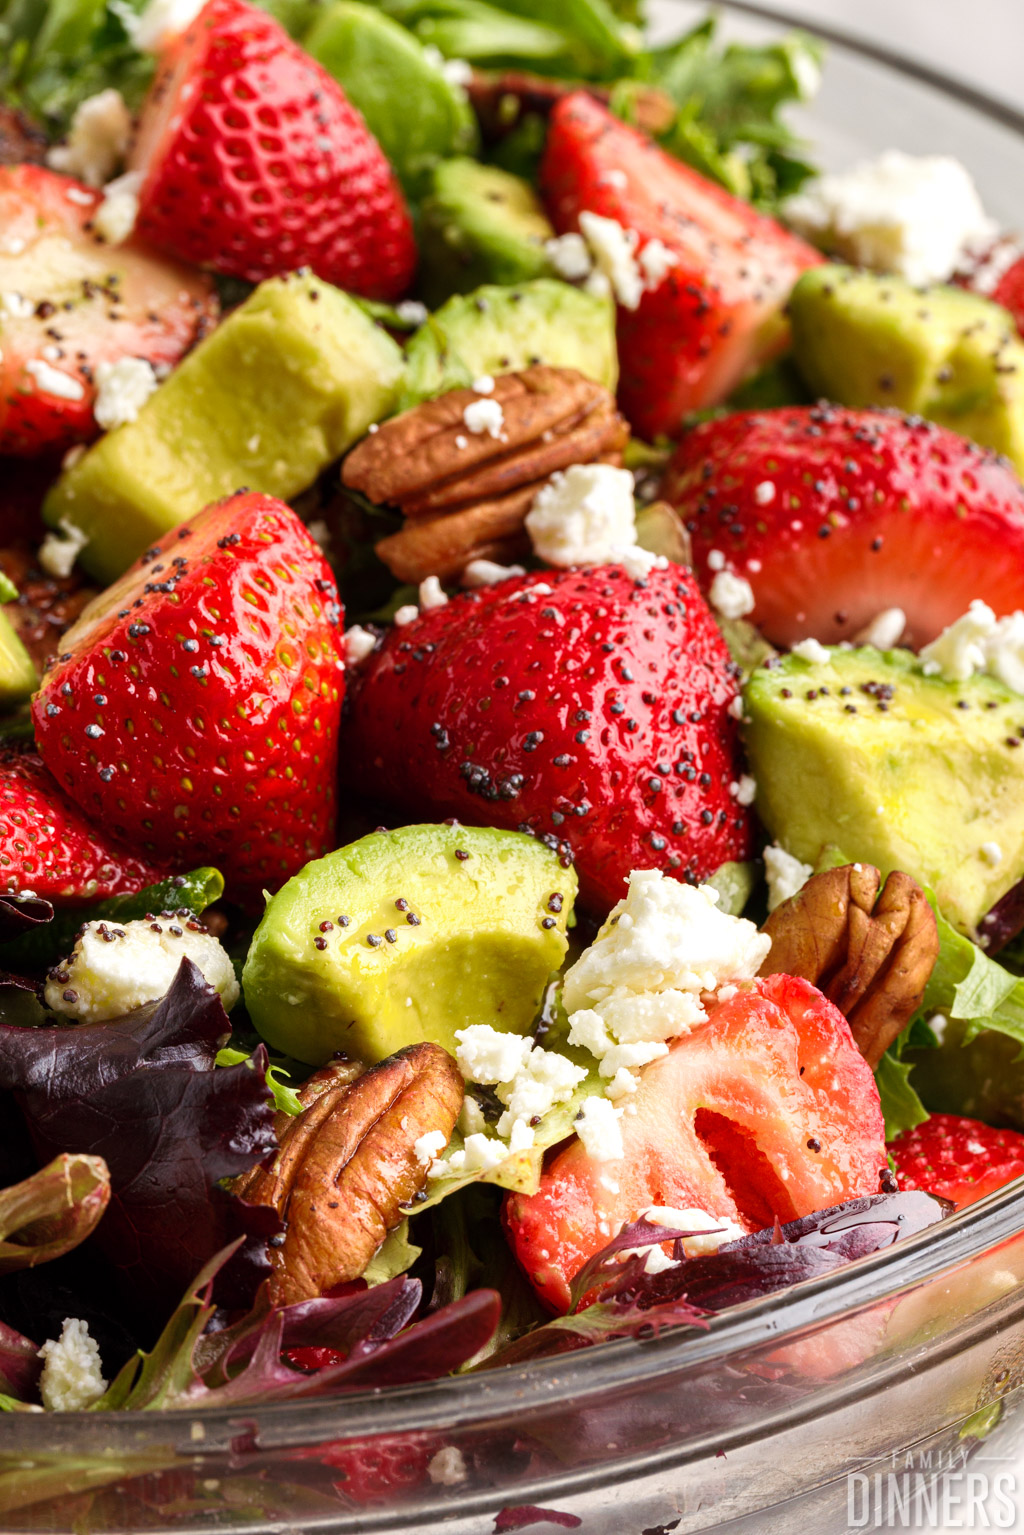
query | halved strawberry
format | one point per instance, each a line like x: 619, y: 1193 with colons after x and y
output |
x: 715, y: 315
x: 959, y: 1159
x: 766, y: 1111
x: 587, y: 708
x: 69, y: 301
x: 998, y: 274
x: 47, y: 845
x: 256, y: 163
x: 833, y: 515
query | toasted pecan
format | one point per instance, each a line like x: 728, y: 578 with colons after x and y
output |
x: 347, y: 1164
x: 870, y: 953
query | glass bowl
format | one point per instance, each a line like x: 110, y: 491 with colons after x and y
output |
x: 828, y: 1408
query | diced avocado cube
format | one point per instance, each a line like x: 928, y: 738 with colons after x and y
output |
x: 479, y: 224
x: 18, y: 676
x: 406, y: 936
x: 279, y: 390
x: 901, y: 770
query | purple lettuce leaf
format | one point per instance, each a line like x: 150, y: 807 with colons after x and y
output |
x: 21, y: 913
x: 20, y: 1365
x: 51, y: 1212
x: 523, y: 1515
x: 142, y: 1093
x: 191, y: 1366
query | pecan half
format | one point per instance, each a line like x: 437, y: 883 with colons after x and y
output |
x: 347, y: 1164
x: 870, y: 953
x: 429, y: 464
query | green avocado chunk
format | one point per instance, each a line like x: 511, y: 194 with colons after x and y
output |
x: 406, y: 936
x: 900, y: 770
x: 479, y: 224
x: 18, y: 675
x: 416, y: 115
x: 943, y: 353
x: 499, y: 329
x: 280, y: 389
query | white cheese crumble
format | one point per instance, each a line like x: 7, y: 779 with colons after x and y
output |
x: 488, y: 572
x: 812, y: 650
x: 598, y: 1128
x: 484, y: 416
x: 97, y: 141
x: 471, y: 1120
x: 784, y: 873
x: 992, y: 853
x: 406, y: 614
x: 123, y: 387
x: 656, y: 261
x: 482, y: 1154
x: 162, y: 20
x: 640, y: 982
x: 716, y: 559
x: 585, y: 515
x: 979, y: 642
x: 426, y: 1147
x: 884, y: 631
x: 61, y: 548
x: 744, y: 790
x: 484, y: 384
x: 359, y: 644
x: 50, y: 380
x: 488, y: 1055
x: 528, y: 1080
x: 411, y: 312
x: 432, y: 594
x: 613, y: 250
x: 14, y: 306
x: 114, y: 968
x: 731, y: 595
x: 72, y: 1375
x: 448, y: 1467
x: 570, y: 256
x: 912, y: 216
x: 719, y: 1228
x: 115, y: 217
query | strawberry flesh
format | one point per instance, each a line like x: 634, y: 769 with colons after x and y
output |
x: 716, y: 315
x: 587, y: 708
x: 69, y: 302
x: 834, y: 515
x: 959, y: 1159
x: 256, y: 163
x: 194, y: 709
x: 767, y: 1111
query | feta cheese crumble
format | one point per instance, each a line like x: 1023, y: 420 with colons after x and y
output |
x: 72, y: 1375
x: 123, y: 388
x: 115, y: 217
x: 744, y: 790
x: 811, y: 650
x: 784, y: 873
x: 719, y: 1228
x: 979, y: 642
x: 902, y: 214
x: 488, y: 572
x: 640, y: 982
x: 448, y: 1467
x: 570, y: 256
x: 50, y: 380
x: 61, y: 548
x: 359, y: 644
x: 114, y: 968
x: 97, y: 141
x: 884, y: 631
x: 585, y: 515
x: 406, y: 614
x: 484, y: 384
x: 426, y: 1147
x: 528, y: 1082
x: 432, y: 594
x: 731, y: 595
x: 484, y: 416
x: 613, y: 252
x: 411, y: 312
x: 14, y: 306
x: 597, y: 1126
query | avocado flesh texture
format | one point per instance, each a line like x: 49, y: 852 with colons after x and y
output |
x: 18, y: 676
x: 480, y: 224
x: 943, y: 353
x: 479, y: 954
x: 502, y: 329
x: 279, y: 390
x: 920, y: 786
x: 415, y: 114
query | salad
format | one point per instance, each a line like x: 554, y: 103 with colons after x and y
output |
x: 512, y: 687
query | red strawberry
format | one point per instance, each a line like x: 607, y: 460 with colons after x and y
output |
x: 959, y: 1159
x: 49, y: 846
x: 69, y: 302
x: 833, y: 515
x: 194, y: 709
x: 588, y: 708
x: 716, y: 315
x: 998, y: 274
x: 766, y: 1111
x: 256, y: 163
x: 377, y: 1471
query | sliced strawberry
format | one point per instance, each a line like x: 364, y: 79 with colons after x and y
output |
x: 715, y: 316
x: 69, y: 301
x: 256, y: 163
x: 49, y: 846
x: 998, y: 274
x: 194, y: 709
x: 959, y: 1159
x: 587, y: 708
x: 768, y: 1111
x: 833, y: 515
